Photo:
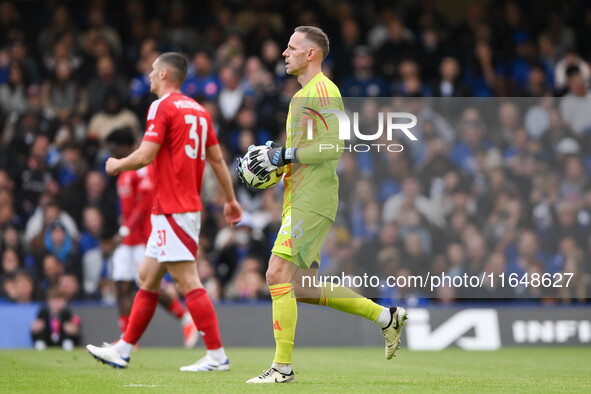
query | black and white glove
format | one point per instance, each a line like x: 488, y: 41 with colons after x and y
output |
x: 264, y: 162
x: 240, y: 168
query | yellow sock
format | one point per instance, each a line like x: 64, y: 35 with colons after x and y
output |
x: 285, y: 316
x: 346, y: 300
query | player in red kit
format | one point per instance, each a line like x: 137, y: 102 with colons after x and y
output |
x: 179, y: 138
x: 135, y: 190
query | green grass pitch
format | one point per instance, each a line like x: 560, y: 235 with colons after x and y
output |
x: 317, y: 370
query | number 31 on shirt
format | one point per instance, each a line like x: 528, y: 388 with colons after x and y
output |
x: 192, y: 151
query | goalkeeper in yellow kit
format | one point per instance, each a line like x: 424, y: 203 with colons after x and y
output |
x: 310, y: 205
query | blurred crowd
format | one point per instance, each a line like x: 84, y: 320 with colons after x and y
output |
x: 496, y: 186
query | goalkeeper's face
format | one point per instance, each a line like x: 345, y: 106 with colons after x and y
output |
x: 298, y: 54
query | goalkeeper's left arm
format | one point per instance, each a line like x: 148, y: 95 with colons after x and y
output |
x: 326, y: 147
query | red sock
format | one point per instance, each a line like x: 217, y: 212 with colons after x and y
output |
x: 176, y: 308
x: 142, y: 311
x: 199, y: 305
x: 123, y: 322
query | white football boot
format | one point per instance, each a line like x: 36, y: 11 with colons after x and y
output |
x: 207, y: 364
x: 108, y: 355
x: 392, y: 332
x: 272, y: 375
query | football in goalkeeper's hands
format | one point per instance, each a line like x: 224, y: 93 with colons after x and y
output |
x: 255, y: 181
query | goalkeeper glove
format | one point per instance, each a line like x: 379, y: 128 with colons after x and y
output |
x: 240, y: 169
x: 262, y: 163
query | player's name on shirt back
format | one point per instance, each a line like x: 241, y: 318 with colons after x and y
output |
x: 187, y: 104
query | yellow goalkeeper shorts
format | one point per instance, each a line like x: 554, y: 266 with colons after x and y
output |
x: 300, y: 237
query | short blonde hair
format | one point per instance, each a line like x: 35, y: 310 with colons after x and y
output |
x: 317, y: 36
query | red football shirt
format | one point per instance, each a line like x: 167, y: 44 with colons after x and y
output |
x: 184, y: 130
x: 135, y: 190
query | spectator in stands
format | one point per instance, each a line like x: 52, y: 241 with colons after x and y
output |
x: 567, y: 225
x: 272, y: 60
x: 10, y: 263
x: 438, y: 175
x: 34, y: 177
x: 362, y: 82
x: 482, y: 72
x: 449, y: 83
x: 52, y: 270
x: 570, y: 62
x: 537, y: 83
x: 63, y: 48
x: 502, y: 222
x: 71, y: 167
x: 571, y: 260
x: 247, y: 132
x: 13, y: 95
x: 350, y: 38
x: 371, y: 225
x: 180, y: 35
x: 11, y: 239
x: 98, y: 195
x: 7, y: 214
x: 528, y: 254
x: 367, y: 254
x: 398, y: 45
x: 69, y: 285
x: 509, y: 122
x: 415, y: 260
x: 19, y: 52
x: 236, y: 244
x: 58, y: 242
x: 62, y: 95
x: 475, y: 252
x: 258, y: 82
x: 231, y: 94
x: 456, y: 259
x: 574, y: 181
x: 496, y: 264
x: 410, y: 83
x: 410, y: 197
x: 575, y: 104
x: 90, y: 250
x: 391, y: 171
x: 106, y: 79
x: 18, y: 135
x: 207, y: 275
x: 230, y: 52
x: 113, y: 116
x: 60, y: 24
x: 47, y: 212
x: 55, y: 324
x: 19, y: 287
x: 97, y: 26
x: 472, y: 134
x: 363, y: 212
x: 248, y: 282
x: 431, y: 50
x: 411, y: 223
